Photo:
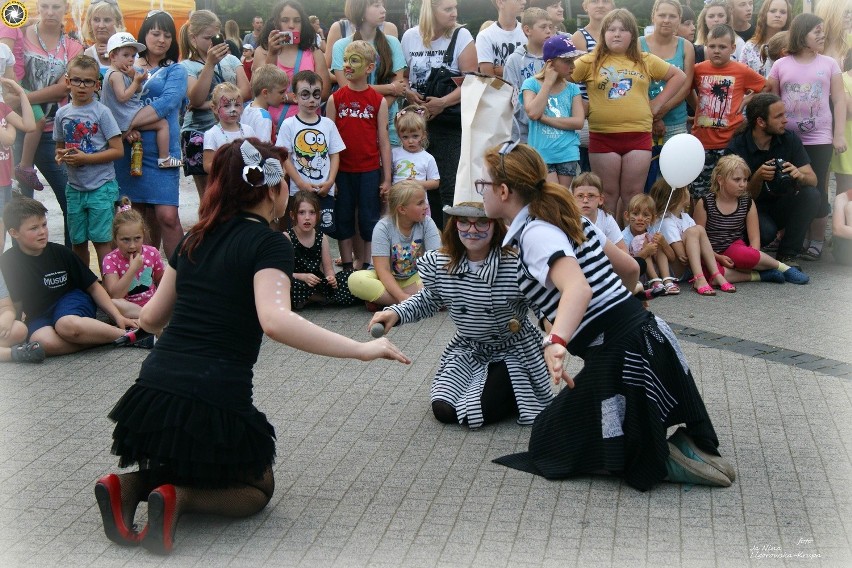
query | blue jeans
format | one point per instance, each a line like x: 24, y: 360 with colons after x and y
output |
x: 54, y: 173
x: 357, y: 194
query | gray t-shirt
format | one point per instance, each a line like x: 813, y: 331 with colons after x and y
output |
x: 122, y: 112
x: 87, y: 128
x: 404, y: 250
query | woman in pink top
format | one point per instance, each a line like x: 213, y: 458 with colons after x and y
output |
x: 289, y: 41
x: 806, y: 81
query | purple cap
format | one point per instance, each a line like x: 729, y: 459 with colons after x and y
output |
x: 560, y: 46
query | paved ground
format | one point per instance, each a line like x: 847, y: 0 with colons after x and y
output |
x: 366, y: 476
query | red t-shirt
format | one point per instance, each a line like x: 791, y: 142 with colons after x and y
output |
x: 720, y: 94
x: 357, y: 120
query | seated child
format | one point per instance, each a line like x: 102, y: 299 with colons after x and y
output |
x: 684, y: 242
x: 411, y: 160
x: 132, y: 271
x: 268, y: 88
x: 226, y: 102
x: 641, y: 244
x: 314, y: 279
x: 727, y: 213
x: 59, y: 295
x: 587, y: 189
x: 122, y: 94
x: 399, y: 239
x: 13, y: 334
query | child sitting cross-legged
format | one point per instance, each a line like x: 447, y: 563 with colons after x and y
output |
x: 314, y: 279
x: 133, y: 270
x: 58, y: 293
x: 728, y: 213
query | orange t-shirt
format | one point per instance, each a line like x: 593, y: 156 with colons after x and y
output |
x: 720, y: 94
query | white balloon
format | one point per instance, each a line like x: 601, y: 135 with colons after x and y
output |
x: 681, y: 160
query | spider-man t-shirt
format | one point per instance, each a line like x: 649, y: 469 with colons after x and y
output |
x: 87, y: 129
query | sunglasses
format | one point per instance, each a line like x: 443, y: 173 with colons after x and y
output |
x: 155, y: 12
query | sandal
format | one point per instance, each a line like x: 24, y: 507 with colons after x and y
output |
x: 170, y: 162
x: 706, y: 290
x: 813, y: 253
x: 725, y: 286
x: 30, y: 352
x: 656, y: 288
x: 670, y: 284
x: 28, y: 178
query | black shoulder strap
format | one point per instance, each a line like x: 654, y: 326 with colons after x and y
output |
x: 451, y: 49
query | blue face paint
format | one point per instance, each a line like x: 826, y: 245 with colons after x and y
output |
x: 474, y: 236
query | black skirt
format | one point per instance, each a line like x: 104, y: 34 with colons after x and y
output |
x: 633, y: 386
x: 209, y: 435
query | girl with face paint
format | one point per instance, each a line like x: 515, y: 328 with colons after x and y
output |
x: 492, y: 368
x: 227, y: 106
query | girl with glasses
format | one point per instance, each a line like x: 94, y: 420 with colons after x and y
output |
x: 492, y: 368
x: 635, y: 383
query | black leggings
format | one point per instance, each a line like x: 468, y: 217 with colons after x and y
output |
x: 820, y: 155
x: 497, y: 401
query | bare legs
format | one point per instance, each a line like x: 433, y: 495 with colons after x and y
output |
x: 622, y: 176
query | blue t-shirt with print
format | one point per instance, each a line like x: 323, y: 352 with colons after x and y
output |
x: 555, y: 146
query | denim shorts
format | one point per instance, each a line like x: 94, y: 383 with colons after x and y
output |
x: 564, y: 168
x: 90, y: 213
x: 74, y: 303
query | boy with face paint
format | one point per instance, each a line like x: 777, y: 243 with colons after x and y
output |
x: 227, y: 106
x: 361, y: 116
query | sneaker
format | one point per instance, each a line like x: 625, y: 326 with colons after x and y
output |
x: 682, y: 469
x: 687, y: 446
x: 813, y: 253
x: 145, y: 343
x: 788, y: 259
x: 795, y: 276
x: 31, y: 352
x: 28, y: 178
x: 772, y: 275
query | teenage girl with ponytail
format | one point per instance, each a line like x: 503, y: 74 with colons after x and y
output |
x: 635, y: 383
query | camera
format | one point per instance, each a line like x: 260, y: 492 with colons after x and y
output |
x: 783, y: 182
x: 217, y: 39
x: 290, y: 38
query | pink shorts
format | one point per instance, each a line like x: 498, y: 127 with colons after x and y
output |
x: 618, y: 142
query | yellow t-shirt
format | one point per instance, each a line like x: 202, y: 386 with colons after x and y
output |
x: 618, y: 94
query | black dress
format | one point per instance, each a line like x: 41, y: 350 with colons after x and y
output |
x: 309, y: 261
x: 190, y: 414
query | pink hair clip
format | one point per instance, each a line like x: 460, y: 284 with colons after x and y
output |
x: 124, y: 208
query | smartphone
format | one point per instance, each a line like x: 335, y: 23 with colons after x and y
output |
x: 290, y: 38
x: 217, y: 39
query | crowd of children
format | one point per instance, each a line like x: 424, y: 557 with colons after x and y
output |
x: 360, y: 154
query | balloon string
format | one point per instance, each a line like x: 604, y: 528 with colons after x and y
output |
x: 660, y: 224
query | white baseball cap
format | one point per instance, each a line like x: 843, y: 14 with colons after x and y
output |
x: 124, y: 39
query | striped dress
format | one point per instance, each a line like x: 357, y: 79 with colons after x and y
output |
x: 634, y: 384
x: 485, y: 305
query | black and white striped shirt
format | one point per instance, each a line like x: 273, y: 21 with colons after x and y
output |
x: 541, y: 244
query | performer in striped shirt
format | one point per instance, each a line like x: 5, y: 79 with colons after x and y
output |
x: 635, y: 382
x: 492, y: 368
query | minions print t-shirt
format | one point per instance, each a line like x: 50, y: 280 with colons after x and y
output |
x: 618, y: 93
x: 310, y: 147
x: 404, y: 250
